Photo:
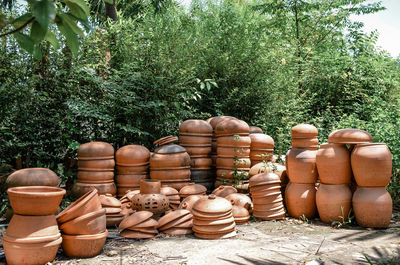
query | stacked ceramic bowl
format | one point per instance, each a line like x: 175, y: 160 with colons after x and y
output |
x: 113, y: 208
x: 265, y: 191
x: 32, y: 237
x: 302, y: 172
x: 192, y: 189
x: 83, y: 224
x: 240, y: 214
x: 176, y: 223
x: 95, y: 169
x: 132, y: 166
x: 261, y: 148
x: 139, y: 225
x: 195, y: 136
x: 213, y: 219
x: 173, y: 197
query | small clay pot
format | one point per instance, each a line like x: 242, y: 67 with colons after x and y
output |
x: 349, y: 136
x: 83, y: 246
x: 88, y: 224
x: 333, y: 202
x: 32, y: 177
x: 223, y: 191
x: 333, y: 163
x: 155, y: 203
x: 300, y: 200
x: 150, y: 186
x: 304, y: 130
x: 130, y: 155
x: 302, y: 165
x: 35, y: 200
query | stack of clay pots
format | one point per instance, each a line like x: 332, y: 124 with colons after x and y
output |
x: 213, y: 219
x: 176, y: 223
x: 302, y: 172
x: 271, y: 167
x: 192, y: 189
x: 32, y: 237
x: 333, y: 195
x: 150, y: 198
x: 261, y: 148
x: 233, y: 149
x: 113, y: 208
x: 196, y: 136
x: 170, y: 163
x: 95, y: 169
x: 139, y: 225
x: 173, y: 197
x: 266, y: 194
x: 83, y: 224
x: 132, y: 166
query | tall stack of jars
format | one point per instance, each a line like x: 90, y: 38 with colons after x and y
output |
x: 302, y: 171
x: 261, y: 148
x: 95, y: 169
x: 132, y: 166
x: 233, y: 149
x: 196, y: 136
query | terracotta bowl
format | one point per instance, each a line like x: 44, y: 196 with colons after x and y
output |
x: 35, y: 200
x: 83, y: 246
x: 88, y: 224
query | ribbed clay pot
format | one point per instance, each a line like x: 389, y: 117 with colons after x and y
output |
x: 349, y: 136
x: 32, y: 177
x: 306, y: 143
x: 84, y: 246
x: 150, y: 186
x: 231, y: 127
x: 371, y: 164
x: 333, y: 202
x: 132, y: 155
x: 88, y: 224
x: 333, y: 164
x: 300, y: 200
x: 261, y: 141
x: 170, y: 155
x: 170, y: 174
x: 302, y: 165
x: 372, y: 207
x: 80, y: 188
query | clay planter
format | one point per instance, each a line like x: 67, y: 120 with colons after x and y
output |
x: 192, y: 189
x: 32, y: 177
x: 149, y: 186
x: 89, y: 202
x: 132, y: 155
x: 372, y: 207
x: 35, y: 200
x: 333, y: 202
x: 302, y: 165
x: 83, y: 246
x: 333, y: 163
x: 88, y: 224
x: 300, y: 200
x: 371, y: 164
x: 349, y: 136
x: 304, y: 131
x: 231, y: 127
x: 155, y: 203
x: 255, y: 129
x: 223, y: 191
x: 80, y: 188
x: 36, y: 253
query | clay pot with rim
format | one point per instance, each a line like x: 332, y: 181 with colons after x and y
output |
x: 372, y: 207
x: 32, y: 177
x: 302, y: 165
x: 333, y: 164
x: 84, y: 246
x: 333, y: 202
x: 300, y: 200
x: 212, y: 205
x: 223, y: 191
x: 349, y: 136
x: 150, y: 186
x: 371, y: 164
x: 35, y: 200
x: 88, y: 224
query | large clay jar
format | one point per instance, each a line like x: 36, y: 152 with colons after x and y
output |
x: 300, y: 200
x: 349, y: 136
x: 262, y: 148
x: 333, y: 202
x: 32, y: 177
x: 371, y: 164
x: 305, y: 136
x: 196, y: 136
x: 333, y: 164
x: 372, y: 207
x: 302, y: 165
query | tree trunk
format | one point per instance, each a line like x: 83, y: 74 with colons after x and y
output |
x: 111, y: 11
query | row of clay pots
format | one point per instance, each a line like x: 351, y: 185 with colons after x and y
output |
x: 261, y: 148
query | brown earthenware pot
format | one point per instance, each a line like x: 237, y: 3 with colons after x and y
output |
x: 305, y: 131
x: 349, y: 136
x: 32, y: 177
x: 192, y: 189
x: 95, y: 151
x: 189, y: 201
x: 131, y: 155
x: 195, y: 127
x: 333, y: 164
x: 302, y: 165
x: 88, y: 224
x: 306, y: 143
x: 213, y: 205
x: 231, y: 127
x: 80, y: 188
x: 223, y: 191
x: 261, y: 141
x: 333, y: 202
x: 240, y: 200
x: 300, y: 200
x: 135, y: 219
x: 83, y: 246
x: 170, y: 174
x: 96, y: 177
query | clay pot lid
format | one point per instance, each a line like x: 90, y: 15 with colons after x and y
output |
x: 132, y: 155
x: 170, y: 149
x: 189, y: 201
x: 169, y: 191
x: 166, y: 140
x: 239, y: 199
x: 108, y: 201
x: 146, y: 224
x: 371, y: 144
x: 174, y: 223
x: 349, y: 136
x: 239, y: 212
x: 129, y: 195
x: 264, y: 178
x: 95, y: 150
x: 213, y: 204
x: 192, y: 188
x: 134, y: 234
x: 32, y: 177
x: 224, y: 228
x: 258, y: 139
x: 215, y: 120
x: 172, y: 216
x: 223, y: 191
x: 195, y: 127
x: 227, y: 220
x: 232, y: 127
x: 304, y: 131
x: 255, y: 129
x: 135, y: 219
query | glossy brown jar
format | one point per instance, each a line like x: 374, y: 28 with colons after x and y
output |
x: 333, y: 164
x: 333, y: 202
x: 32, y: 177
x: 300, y: 200
x: 301, y: 165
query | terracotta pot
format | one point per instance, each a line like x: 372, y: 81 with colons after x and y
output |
x: 233, y: 163
x: 231, y: 127
x: 304, y: 130
x: 130, y: 179
x: 217, y: 229
x: 223, y: 191
x: 231, y: 152
x: 255, y: 129
x: 168, y: 191
x: 166, y: 140
x: 135, y: 219
x: 95, y: 151
x: 32, y: 177
x: 80, y: 188
x: 333, y: 202
x: 260, y: 156
x: 371, y: 164
x: 300, y: 200
x: 113, y: 220
x: 234, y: 141
x: 89, y: 202
x: 96, y: 165
x: 193, y: 139
x: 240, y: 214
x: 274, y: 198
x: 268, y: 167
x: 201, y: 163
x: 264, y: 179
x: 189, y: 201
x: 155, y: 203
x: 170, y: 174
x: 372, y: 207
x: 83, y: 246
x: 261, y: 141
x: 349, y: 136
x: 107, y: 200
x: 169, y: 156
x: 150, y: 186
x: 192, y: 189
x: 263, y: 188
x: 306, y: 143
x: 176, y: 185
x: 196, y: 151
x: 215, y: 120
x: 95, y: 176
x: 37, y: 253
x: 133, y: 170
x: 240, y: 200
x: 207, y: 217
x: 212, y: 204
x: 174, y: 219
x: 333, y: 164
x: 197, y: 127
x: 88, y: 224
x: 130, y: 155
x: 35, y: 200
x: 302, y: 165
x: 215, y: 236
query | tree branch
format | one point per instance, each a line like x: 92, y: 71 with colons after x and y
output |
x: 17, y: 29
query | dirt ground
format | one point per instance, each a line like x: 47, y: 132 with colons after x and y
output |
x: 288, y: 241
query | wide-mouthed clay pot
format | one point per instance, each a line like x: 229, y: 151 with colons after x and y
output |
x: 333, y: 164
x: 83, y: 246
x: 302, y: 166
x: 223, y: 191
x: 131, y: 155
x: 371, y: 164
x: 32, y: 177
x: 88, y: 224
x: 150, y: 186
x: 35, y: 200
x: 304, y: 131
x: 333, y: 202
x: 300, y: 200
x: 255, y: 129
x: 349, y: 136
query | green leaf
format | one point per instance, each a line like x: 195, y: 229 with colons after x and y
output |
x: 37, y: 32
x: 51, y: 37
x: 109, y: 1
x: 44, y: 12
x: 37, y: 53
x: 70, y: 36
x: 21, y: 20
x: 77, y: 11
x: 25, y: 42
x: 80, y: 3
x: 71, y: 23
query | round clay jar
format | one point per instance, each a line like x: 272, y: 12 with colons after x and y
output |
x: 301, y: 165
x: 333, y: 164
x: 32, y: 177
x: 300, y: 200
x: 333, y: 202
